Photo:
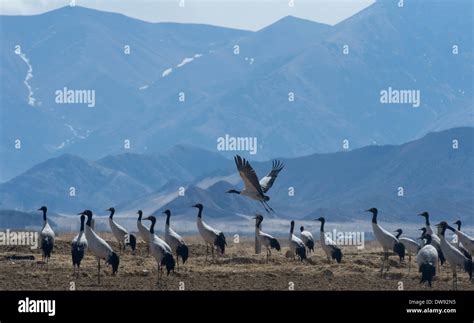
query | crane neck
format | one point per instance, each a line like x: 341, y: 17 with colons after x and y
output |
x: 258, y: 223
x: 82, y: 223
x: 398, y: 234
x: 168, y: 219
x: 443, y: 230
x: 292, y: 227
x: 45, y: 220
x: 427, y: 220
x: 374, y: 217
x: 89, y: 221
x: 112, y: 212
x: 200, y: 213
x: 322, y: 226
x: 152, y: 227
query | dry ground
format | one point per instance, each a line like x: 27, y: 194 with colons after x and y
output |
x: 238, y: 269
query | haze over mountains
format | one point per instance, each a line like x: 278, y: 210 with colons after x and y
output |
x: 434, y: 175
x: 337, y: 96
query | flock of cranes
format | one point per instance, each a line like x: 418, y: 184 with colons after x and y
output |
x: 433, y: 251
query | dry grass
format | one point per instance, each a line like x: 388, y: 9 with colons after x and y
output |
x: 238, y: 269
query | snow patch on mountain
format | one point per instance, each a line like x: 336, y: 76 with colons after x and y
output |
x: 29, y: 76
x: 185, y: 61
x: 167, y: 72
x: 75, y: 135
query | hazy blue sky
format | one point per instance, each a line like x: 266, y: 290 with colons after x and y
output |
x: 245, y: 14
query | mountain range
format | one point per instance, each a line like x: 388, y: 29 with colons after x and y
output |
x: 233, y: 82
x: 433, y: 173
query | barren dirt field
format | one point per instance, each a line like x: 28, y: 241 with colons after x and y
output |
x: 238, y: 269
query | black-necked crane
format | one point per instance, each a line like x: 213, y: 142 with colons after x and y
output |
x: 160, y: 250
x: 175, y: 241
x: 465, y: 243
x: 307, y: 239
x: 328, y: 245
x: 453, y: 256
x: 78, y: 248
x: 143, y: 231
x: 98, y: 247
x: 411, y: 246
x: 296, y: 245
x: 426, y: 259
x: 386, y: 240
x: 265, y: 239
x: 254, y: 188
x: 435, y: 242
x: 121, y: 234
x: 211, y: 236
x: 46, y: 237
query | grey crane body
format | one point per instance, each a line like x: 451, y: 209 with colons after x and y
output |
x: 265, y: 239
x: 47, y: 238
x: 78, y: 248
x: 387, y: 240
x: 333, y: 252
x: 426, y: 258
x: 453, y: 256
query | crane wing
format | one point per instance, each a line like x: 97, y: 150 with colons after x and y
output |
x: 248, y: 175
x: 267, y: 181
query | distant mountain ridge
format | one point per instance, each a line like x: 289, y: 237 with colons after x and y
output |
x: 433, y: 173
x: 240, y: 91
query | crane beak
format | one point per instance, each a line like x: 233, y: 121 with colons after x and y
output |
x: 81, y: 213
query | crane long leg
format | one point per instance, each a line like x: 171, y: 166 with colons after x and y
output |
x: 207, y: 251
x: 265, y: 202
x: 98, y: 270
x: 158, y: 275
x: 455, y: 278
x: 177, y: 262
x: 383, y: 262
